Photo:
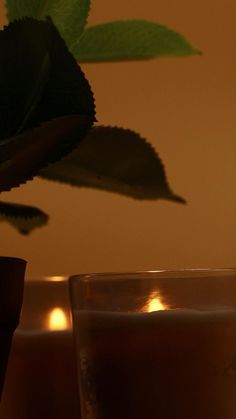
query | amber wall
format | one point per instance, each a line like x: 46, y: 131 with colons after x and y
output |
x: 186, y: 108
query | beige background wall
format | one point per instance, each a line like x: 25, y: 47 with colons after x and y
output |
x: 186, y: 108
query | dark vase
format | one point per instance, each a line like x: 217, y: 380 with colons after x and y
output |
x: 12, y: 272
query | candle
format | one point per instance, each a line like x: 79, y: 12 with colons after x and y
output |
x: 57, y: 319
x: 176, y: 364
x: 167, y: 354
x: 41, y: 376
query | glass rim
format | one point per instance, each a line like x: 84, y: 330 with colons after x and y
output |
x: 46, y: 279
x: 152, y: 274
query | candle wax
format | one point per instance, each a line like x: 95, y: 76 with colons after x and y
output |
x: 176, y: 364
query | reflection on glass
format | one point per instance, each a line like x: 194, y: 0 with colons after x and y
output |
x: 56, y: 278
x: 57, y: 319
x: 155, y: 303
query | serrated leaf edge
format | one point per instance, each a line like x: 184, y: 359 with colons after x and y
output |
x: 172, y: 196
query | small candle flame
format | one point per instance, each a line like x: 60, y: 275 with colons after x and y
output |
x: 57, y: 319
x: 155, y: 303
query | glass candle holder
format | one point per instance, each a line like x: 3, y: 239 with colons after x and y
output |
x: 156, y: 344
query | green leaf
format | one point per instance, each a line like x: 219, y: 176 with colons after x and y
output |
x: 116, y: 160
x: 70, y: 16
x: 130, y: 40
x: 23, y: 217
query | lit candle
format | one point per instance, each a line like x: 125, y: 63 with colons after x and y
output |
x: 41, y: 376
x: 171, y: 356
x: 57, y: 319
x: 155, y: 303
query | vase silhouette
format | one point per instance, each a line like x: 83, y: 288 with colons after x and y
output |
x: 12, y: 272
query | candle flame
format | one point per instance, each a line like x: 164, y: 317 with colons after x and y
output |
x: 155, y: 303
x: 57, y: 319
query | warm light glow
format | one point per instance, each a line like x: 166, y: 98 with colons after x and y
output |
x: 56, y: 278
x: 57, y: 319
x: 155, y: 303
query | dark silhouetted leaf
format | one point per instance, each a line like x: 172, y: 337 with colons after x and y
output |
x: 67, y: 91
x: 29, y: 46
x: 23, y: 217
x: 130, y: 40
x: 66, y: 95
x: 23, y: 156
x: 116, y: 160
x: 70, y: 16
x: 24, y: 71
